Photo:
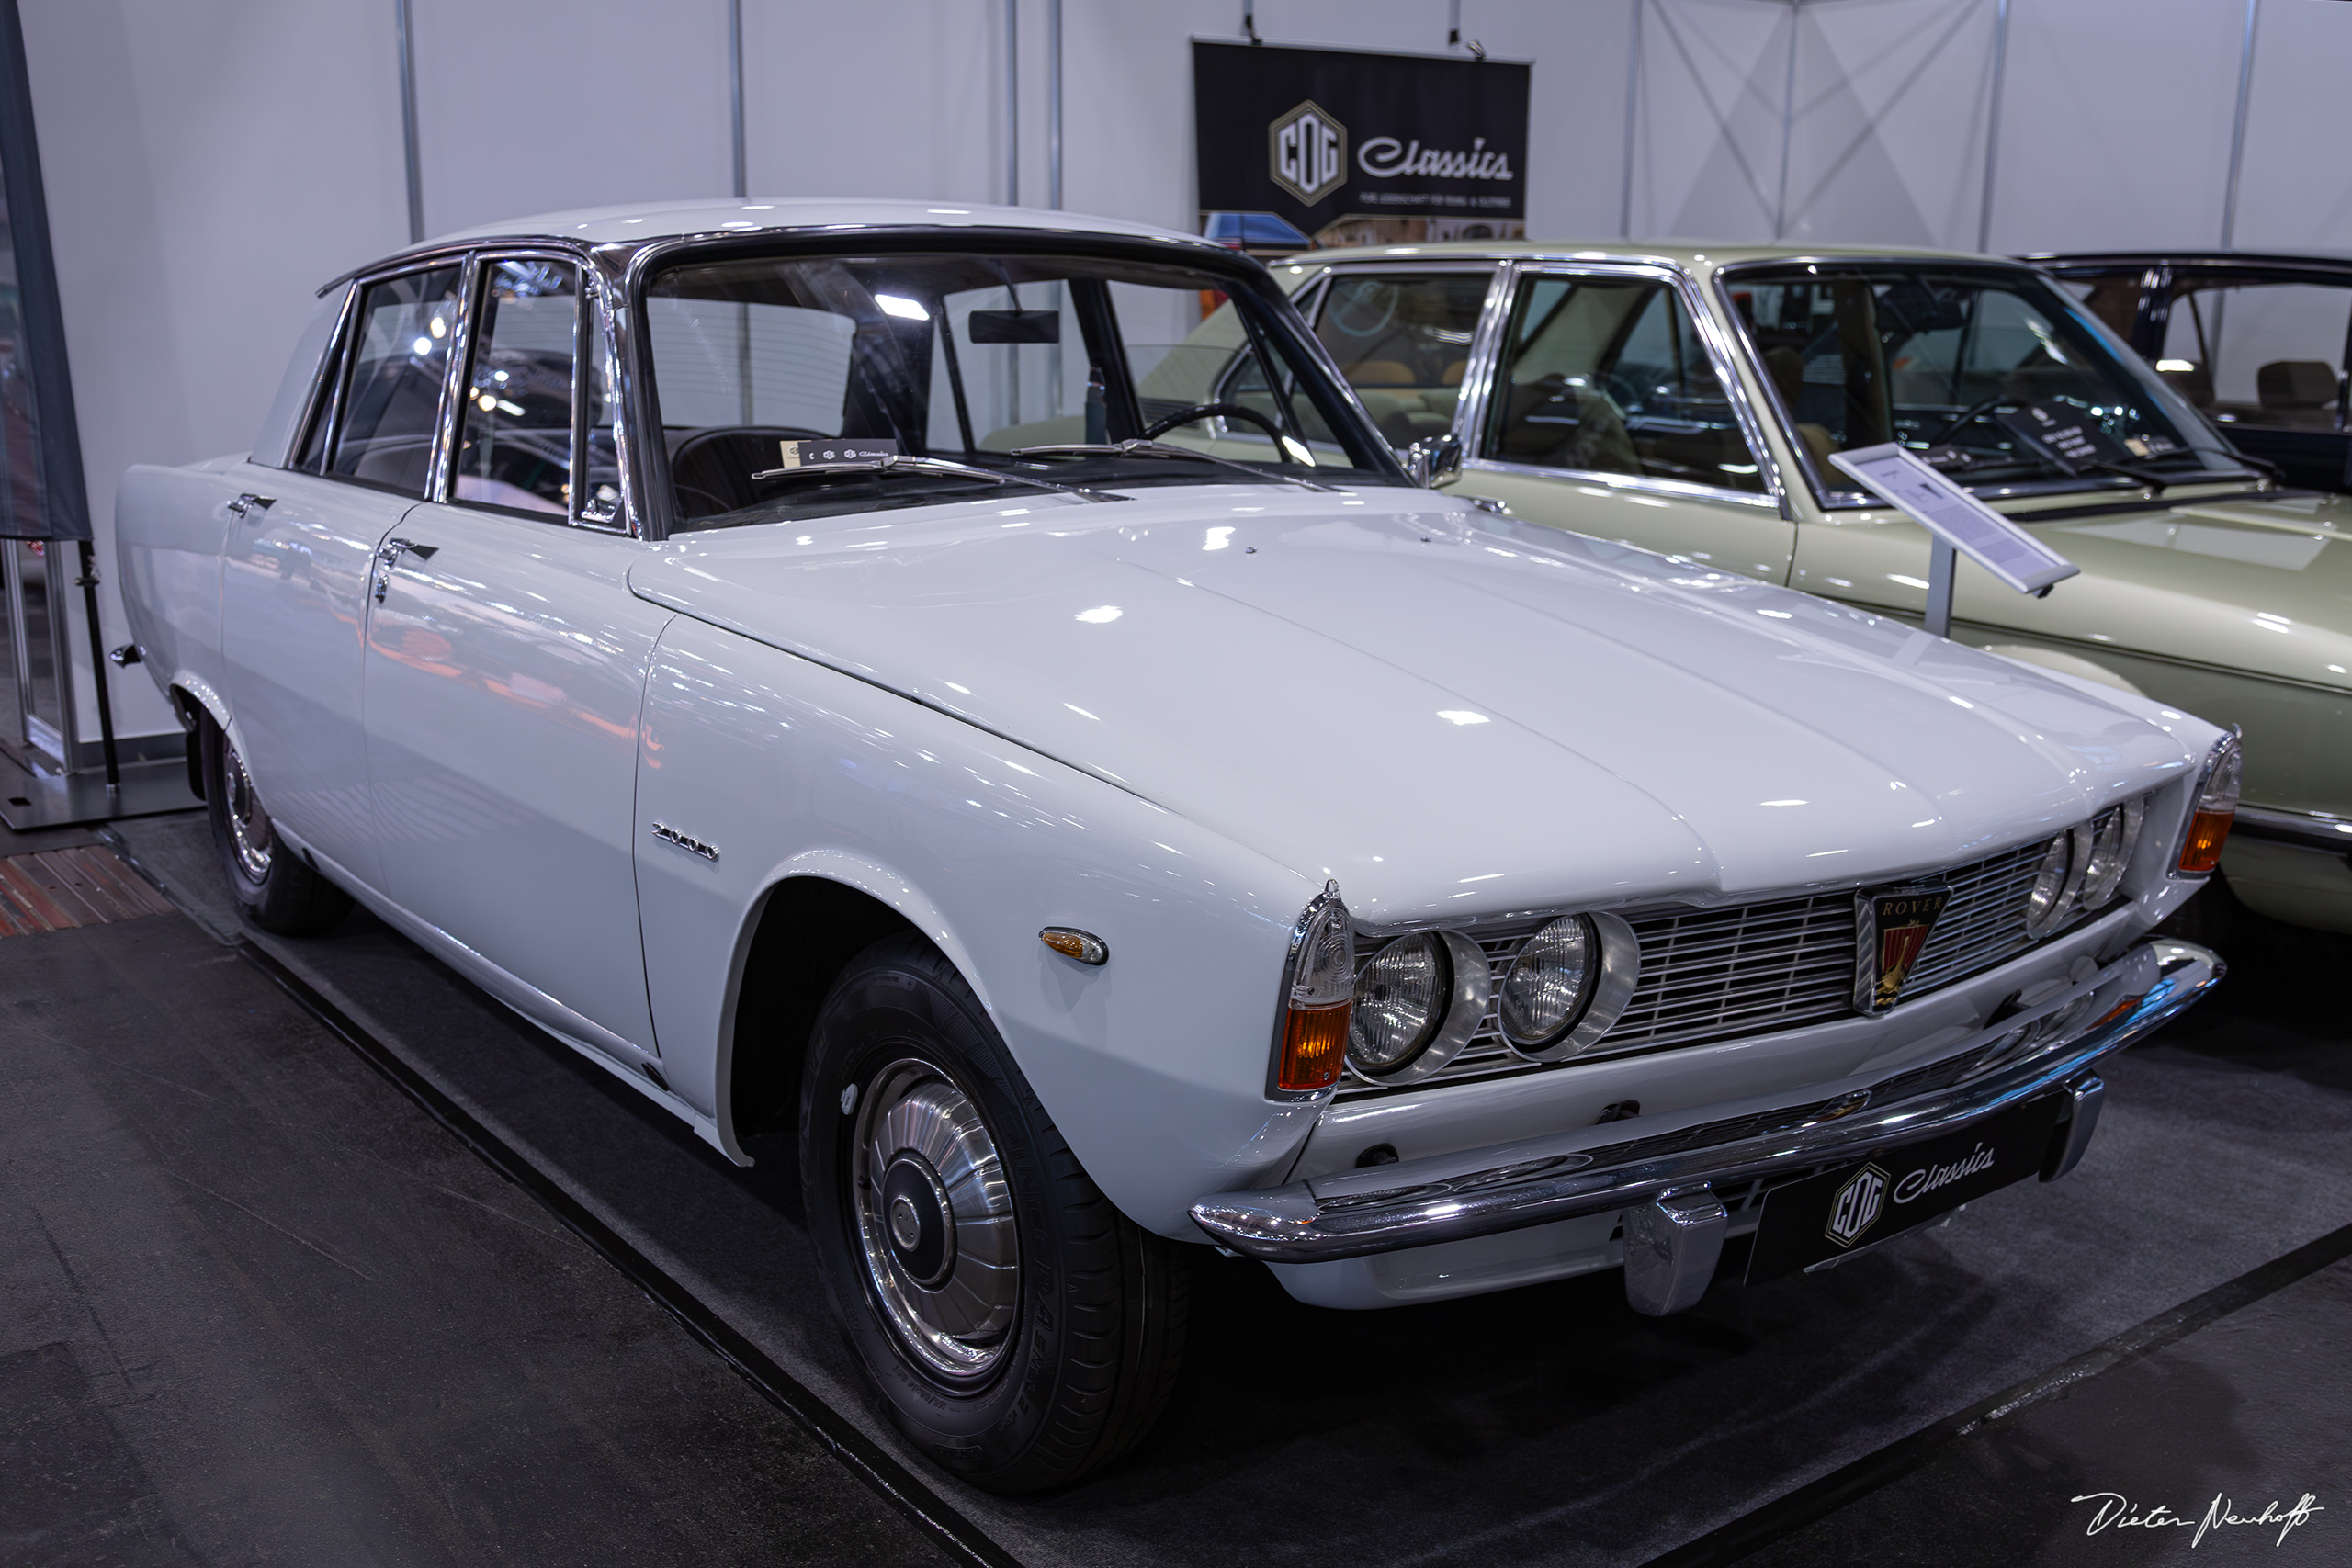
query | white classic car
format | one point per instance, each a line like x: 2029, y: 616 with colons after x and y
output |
x: 971, y: 689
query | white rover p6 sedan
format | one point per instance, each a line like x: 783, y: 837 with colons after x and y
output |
x: 973, y: 689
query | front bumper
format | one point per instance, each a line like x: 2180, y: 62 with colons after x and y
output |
x: 1591, y: 1170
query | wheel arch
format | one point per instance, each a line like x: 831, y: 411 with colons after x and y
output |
x: 803, y: 930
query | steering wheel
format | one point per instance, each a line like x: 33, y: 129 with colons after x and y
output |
x: 1160, y: 427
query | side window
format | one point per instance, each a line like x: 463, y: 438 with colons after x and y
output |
x: 393, y: 396
x: 1403, y: 341
x: 2260, y: 353
x: 1609, y: 376
x: 514, y: 440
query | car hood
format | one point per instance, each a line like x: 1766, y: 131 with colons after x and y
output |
x: 1449, y: 712
x: 2258, y: 584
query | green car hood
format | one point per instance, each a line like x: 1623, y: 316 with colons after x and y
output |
x: 2258, y: 585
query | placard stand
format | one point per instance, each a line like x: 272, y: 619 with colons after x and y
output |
x: 1954, y: 521
x: 1943, y: 564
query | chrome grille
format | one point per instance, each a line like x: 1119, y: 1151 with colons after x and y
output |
x: 1711, y: 975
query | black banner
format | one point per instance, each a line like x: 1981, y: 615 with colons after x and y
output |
x: 1323, y: 138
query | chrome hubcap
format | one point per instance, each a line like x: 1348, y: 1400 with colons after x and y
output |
x: 249, y: 832
x: 934, y: 1221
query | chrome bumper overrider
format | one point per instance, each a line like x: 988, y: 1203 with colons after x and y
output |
x: 1632, y: 1164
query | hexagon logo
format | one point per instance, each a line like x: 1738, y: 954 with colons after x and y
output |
x: 1307, y: 152
x: 1857, y: 1206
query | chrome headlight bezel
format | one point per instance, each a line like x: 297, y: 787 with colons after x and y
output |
x: 1617, y: 966
x: 1469, y: 993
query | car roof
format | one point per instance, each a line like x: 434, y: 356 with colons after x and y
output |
x: 1695, y: 253
x: 673, y: 219
x: 2339, y: 261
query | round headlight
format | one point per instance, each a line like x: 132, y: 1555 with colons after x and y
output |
x: 1549, y: 982
x: 2119, y: 831
x: 1400, y: 1001
x: 2058, y: 884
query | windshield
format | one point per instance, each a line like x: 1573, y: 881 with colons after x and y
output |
x: 1988, y: 374
x: 970, y: 358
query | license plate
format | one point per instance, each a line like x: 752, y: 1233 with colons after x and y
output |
x: 1841, y: 1211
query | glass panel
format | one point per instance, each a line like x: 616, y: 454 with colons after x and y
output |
x: 514, y: 448
x: 967, y: 358
x: 37, y: 697
x: 1936, y: 357
x: 1608, y: 376
x: 2261, y: 354
x: 392, y: 401
x: 1403, y: 341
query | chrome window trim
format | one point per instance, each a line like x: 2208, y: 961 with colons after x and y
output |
x: 586, y: 328
x: 1682, y: 488
x: 327, y: 390
x: 347, y: 342
x: 1721, y: 354
x: 439, y: 479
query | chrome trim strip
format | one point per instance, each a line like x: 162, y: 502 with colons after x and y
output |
x: 1595, y: 1170
x: 2307, y: 829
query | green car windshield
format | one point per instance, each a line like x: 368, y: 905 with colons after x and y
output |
x: 1958, y: 364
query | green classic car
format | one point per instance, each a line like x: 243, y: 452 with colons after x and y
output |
x: 1687, y: 398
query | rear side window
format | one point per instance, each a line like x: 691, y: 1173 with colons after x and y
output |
x: 514, y: 446
x: 392, y: 396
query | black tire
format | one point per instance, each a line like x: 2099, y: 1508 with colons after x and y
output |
x: 1094, y: 1313
x: 277, y: 889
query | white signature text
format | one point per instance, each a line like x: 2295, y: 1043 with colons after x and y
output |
x: 2115, y: 1509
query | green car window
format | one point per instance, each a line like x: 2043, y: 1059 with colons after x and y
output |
x: 1606, y: 375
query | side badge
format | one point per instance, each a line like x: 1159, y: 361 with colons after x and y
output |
x: 692, y: 846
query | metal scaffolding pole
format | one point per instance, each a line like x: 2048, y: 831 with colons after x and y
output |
x: 1992, y: 124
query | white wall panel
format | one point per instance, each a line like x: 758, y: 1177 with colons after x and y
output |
x: 1887, y: 144
x: 2115, y: 129
x: 532, y: 106
x: 1707, y: 144
x: 208, y: 165
x: 2295, y: 193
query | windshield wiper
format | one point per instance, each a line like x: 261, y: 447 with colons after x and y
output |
x: 1162, y: 449
x: 904, y: 464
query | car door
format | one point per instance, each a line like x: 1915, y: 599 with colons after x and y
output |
x: 1604, y: 404
x: 297, y: 564
x: 505, y: 671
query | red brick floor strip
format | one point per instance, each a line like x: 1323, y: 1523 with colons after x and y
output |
x: 53, y: 890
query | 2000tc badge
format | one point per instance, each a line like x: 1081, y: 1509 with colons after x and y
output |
x: 1464, y: 877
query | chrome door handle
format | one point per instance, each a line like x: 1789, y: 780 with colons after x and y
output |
x: 245, y: 505
x: 387, y: 554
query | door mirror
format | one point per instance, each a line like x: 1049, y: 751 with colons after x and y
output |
x: 1433, y: 459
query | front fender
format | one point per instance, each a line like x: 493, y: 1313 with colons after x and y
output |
x: 1152, y: 1066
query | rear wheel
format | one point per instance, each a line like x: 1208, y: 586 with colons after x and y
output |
x: 276, y: 888
x: 1022, y: 1331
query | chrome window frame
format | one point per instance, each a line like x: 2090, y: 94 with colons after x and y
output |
x: 1310, y: 297
x: 589, y: 325
x: 324, y: 404
x: 628, y: 263
x: 357, y: 285
x: 1470, y: 420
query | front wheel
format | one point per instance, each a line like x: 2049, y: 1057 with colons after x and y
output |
x: 1022, y: 1331
x: 274, y: 887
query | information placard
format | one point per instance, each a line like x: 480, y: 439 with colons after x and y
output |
x: 1956, y: 517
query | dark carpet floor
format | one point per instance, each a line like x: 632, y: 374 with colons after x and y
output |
x: 1543, y: 1426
